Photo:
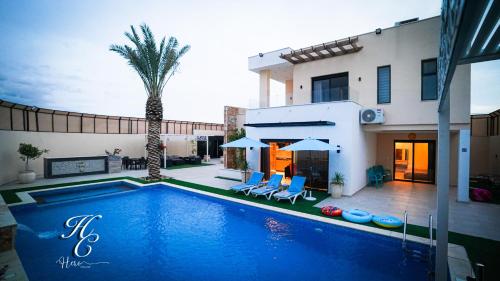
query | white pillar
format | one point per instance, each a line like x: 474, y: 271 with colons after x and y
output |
x: 443, y: 187
x: 463, y: 165
x: 288, y: 92
x: 265, y: 88
x: 165, y: 151
x: 208, y: 154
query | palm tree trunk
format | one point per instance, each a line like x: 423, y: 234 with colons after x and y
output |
x: 154, y: 115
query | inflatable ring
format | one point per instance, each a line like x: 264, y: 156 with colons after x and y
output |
x: 331, y: 211
x: 387, y: 221
x: 357, y: 216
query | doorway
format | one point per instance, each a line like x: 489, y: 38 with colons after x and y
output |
x: 311, y: 164
x: 415, y: 160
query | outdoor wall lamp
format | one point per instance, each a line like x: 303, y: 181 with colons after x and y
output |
x: 338, y: 148
x: 261, y: 54
x: 378, y: 31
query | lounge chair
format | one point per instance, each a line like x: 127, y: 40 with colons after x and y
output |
x: 272, y: 186
x: 252, y: 183
x: 295, y: 190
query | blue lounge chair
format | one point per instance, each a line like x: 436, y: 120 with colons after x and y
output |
x: 272, y: 186
x: 295, y: 190
x: 252, y: 183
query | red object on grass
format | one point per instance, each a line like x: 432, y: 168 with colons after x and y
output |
x: 331, y: 211
x: 481, y: 195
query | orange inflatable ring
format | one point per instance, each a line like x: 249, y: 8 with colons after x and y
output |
x: 331, y: 211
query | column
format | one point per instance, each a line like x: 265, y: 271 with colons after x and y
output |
x: 463, y: 165
x: 265, y: 86
x: 288, y: 92
x: 443, y: 187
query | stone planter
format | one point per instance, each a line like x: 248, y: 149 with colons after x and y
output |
x: 114, y: 164
x: 26, y: 177
x: 336, y: 190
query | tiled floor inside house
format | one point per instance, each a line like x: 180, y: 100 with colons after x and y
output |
x: 473, y: 218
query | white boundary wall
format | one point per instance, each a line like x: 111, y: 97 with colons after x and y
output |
x: 62, y: 145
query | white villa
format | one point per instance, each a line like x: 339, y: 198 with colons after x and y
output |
x: 374, y: 96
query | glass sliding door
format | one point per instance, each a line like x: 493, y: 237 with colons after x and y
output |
x: 414, y: 161
x: 311, y: 164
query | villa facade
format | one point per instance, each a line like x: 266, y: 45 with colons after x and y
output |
x: 392, y: 72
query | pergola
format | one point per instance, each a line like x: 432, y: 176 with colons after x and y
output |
x: 469, y: 34
x: 322, y: 51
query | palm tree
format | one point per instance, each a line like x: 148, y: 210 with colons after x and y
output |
x: 155, y: 67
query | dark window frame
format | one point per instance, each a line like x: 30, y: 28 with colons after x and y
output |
x: 422, y: 75
x: 390, y: 84
x: 325, y: 77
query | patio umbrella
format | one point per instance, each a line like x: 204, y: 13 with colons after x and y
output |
x: 245, y: 143
x: 309, y: 144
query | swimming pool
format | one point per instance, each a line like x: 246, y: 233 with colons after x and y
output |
x: 161, y: 233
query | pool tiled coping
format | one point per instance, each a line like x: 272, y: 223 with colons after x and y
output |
x: 458, y: 260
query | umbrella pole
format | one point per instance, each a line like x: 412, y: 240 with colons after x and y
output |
x: 310, y: 197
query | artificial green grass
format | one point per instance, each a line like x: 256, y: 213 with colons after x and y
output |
x: 229, y: 179
x: 485, y: 251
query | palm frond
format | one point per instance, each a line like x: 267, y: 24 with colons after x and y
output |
x: 154, y: 64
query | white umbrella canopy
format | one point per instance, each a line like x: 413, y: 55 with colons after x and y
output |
x: 309, y: 144
x: 245, y: 143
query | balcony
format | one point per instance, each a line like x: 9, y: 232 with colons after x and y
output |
x: 314, y: 114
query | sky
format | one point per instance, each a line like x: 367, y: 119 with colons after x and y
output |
x: 55, y: 54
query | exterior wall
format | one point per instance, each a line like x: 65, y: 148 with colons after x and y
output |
x: 403, y: 48
x: 62, y: 145
x: 357, y: 146
x: 485, y: 155
x: 385, y: 150
x: 181, y: 145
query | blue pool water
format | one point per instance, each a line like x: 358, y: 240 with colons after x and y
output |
x: 80, y: 192
x: 160, y: 233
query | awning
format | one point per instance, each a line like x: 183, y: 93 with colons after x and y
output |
x: 291, y: 124
x: 322, y: 51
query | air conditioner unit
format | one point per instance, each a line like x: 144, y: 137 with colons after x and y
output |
x: 371, y: 116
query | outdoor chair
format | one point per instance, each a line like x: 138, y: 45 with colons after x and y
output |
x: 386, y: 174
x: 125, y: 162
x: 295, y: 190
x: 272, y: 186
x: 252, y: 183
x: 374, y: 178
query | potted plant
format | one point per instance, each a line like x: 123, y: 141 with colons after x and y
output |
x: 28, y: 152
x: 114, y: 161
x: 337, y: 184
x: 243, y: 165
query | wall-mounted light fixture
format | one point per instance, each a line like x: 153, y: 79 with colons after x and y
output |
x: 300, y: 86
x: 261, y: 54
x: 338, y: 148
x: 359, y: 79
x: 378, y: 31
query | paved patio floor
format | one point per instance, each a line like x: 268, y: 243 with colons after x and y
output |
x: 473, y: 218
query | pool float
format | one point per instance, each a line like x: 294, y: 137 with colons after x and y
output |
x: 331, y: 211
x: 358, y: 216
x: 481, y: 195
x: 387, y: 221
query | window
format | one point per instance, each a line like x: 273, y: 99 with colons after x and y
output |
x: 429, y: 79
x: 330, y: 88
x: 384, y: 84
